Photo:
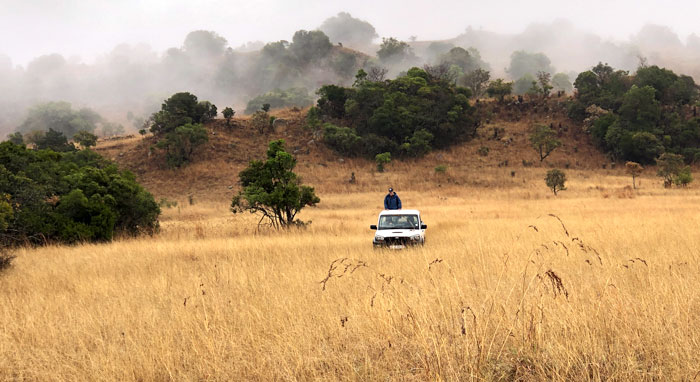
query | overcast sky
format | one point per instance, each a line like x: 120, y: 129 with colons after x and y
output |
x: 87, y: 28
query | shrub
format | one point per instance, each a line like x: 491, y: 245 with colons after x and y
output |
x: 669, y: 167
x: 179, y: 145
x: 228, y: 113
x: 344, y: 140
x: 483, y: 151
x: 85, y: 139
x: 555, y: 180
x: 441, y: 169
x: 261, y: 121
x: 382, y: 160
x: 684, y: 177
x: 272, y: 189
x: 69, y: 197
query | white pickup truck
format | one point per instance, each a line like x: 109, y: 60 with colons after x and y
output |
x: 397, y: 229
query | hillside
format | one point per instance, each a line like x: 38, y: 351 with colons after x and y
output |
x: 213, y: 173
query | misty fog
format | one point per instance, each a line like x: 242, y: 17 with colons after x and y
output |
x: 134, y: 78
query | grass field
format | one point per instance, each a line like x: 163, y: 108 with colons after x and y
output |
x: 606, y: 289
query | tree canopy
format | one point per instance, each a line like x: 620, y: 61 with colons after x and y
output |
x: 409, y: 115
x: 69, y: 197
x: 272, y: 189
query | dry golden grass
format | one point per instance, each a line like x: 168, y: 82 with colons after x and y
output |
x: 501, y: 290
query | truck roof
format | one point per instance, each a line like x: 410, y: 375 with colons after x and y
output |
x: 400, y: 212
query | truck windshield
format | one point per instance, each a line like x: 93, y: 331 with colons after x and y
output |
x: 398, y: 222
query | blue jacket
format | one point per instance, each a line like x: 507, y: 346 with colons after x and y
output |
x: 392, y: 202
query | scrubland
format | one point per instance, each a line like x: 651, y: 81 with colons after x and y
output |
x: 599, y: 283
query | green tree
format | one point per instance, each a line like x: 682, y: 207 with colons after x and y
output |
x: 69, y: 197
x: 544, y: 141
x: 178, y: 110
x: 669, y: 168
x: 272, y: 189
x: 555, y: 180
x: 54, y: 140
x: 476, y: 80
x: 16, y: 138
x: 382, y: 160
x: 393, y: 51
x: 499, y: 89
x: 467, y: 60
x: 310, y: 46
x: 228, y: 113
x: 85, y: 139
x: 179, y: 145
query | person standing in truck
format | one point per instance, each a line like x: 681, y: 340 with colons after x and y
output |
x: 392, y: 201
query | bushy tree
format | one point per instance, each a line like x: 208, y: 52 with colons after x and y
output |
x: 85, y: 139
x: 181, y: 109
x: 53, y: 140
x: 179, y: 144
x: 419, y: 108
x: 272, y: 189
x: 544, y: 140
x: 393, y: 51
x: 670, y: 166
x: 310, y: 45
x: 178, y: 126
x: 382, y: 160
x: 69, y: 197
x: 476, y: 80
x: 555, y: 179
x: 228, y: 113
x: 467, y: 60
x: 499, y: 89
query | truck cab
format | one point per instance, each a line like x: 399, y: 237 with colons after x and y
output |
x: 397, y: 229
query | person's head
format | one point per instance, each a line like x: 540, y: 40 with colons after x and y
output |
x: 391, y: 191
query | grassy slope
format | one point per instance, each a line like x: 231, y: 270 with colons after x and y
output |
x: 216, y: 165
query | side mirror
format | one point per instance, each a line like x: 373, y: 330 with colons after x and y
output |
x: 373, y: 227
x: 423, y: 226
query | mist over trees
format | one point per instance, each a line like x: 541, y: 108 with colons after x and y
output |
x: 132, y: 79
